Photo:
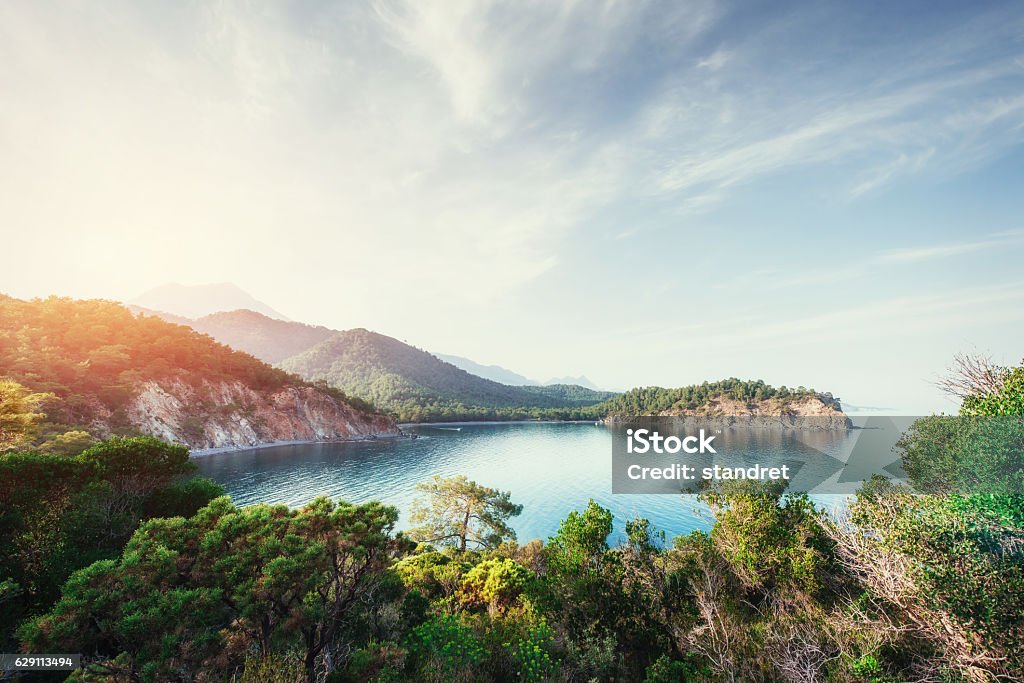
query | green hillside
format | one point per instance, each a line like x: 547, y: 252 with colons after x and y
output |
x: 570, y: 393
x: 410, y: 383
x: 417, y: 386
x: 93, y: 355
x: 659, y: 400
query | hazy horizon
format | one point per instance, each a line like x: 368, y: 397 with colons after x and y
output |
x: 642, y: 193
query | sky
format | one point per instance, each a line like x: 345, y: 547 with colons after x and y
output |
x: 646, y: 193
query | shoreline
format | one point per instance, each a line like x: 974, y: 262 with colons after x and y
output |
x: 467, y: 423
x: 205, y: 452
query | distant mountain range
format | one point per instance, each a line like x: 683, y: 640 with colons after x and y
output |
x: 495, y: 373
x: 580, y: 381
x: 270, y: 380
x: 407, y: 382
x: 418, y: 386
x: 270, y: 340
x: 196, y: 301
x: 414, y: 385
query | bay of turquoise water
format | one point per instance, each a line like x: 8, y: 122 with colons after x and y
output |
x: 550, y: 468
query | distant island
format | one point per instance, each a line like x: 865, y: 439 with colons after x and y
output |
x: 733, y: 402
x: 729, y: 397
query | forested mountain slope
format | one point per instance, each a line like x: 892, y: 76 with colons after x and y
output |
x: 110, y: 371
x: 417, y: 385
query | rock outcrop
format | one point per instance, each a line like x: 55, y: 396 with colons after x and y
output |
x: 229, y: 414
x: 114, y: 372
x: 805, y: 411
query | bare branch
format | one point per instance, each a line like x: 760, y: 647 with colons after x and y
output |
x: 972, y: 375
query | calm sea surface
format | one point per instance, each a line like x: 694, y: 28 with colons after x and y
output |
x: 551, y: 469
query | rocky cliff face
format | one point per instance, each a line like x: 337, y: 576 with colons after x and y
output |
x: 229, y: 414
x: 811, y: 405
x: 812, y: 412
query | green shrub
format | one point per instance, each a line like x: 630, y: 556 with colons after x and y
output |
x: 532, y: 654
x: 667, y: 670
x: 444, y: 645
x: 494, y: 583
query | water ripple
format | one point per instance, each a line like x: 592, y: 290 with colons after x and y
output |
x: 551, y: 469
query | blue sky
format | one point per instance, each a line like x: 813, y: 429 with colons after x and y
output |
x: 819, y: 194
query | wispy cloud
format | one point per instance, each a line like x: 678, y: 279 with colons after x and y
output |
x: 903, y: 163
x: 936, y: 102
x: 498, y: 61
x: 493, y: 128
x: 1001, y: 240
x: 406, y: 160
x: 872, y: 264
x: 892, y: 317
x: 922, y: 123
x: 716, y: 60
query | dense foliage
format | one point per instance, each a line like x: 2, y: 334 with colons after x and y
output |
x: 90, y: 357
x: 906, y: 589
x: 656, y: 400
x: 93, y: 354
x: 951, y: 567
x: 188, y: 598
x: 462, y: 513
x: 59, y: 513
x: 20, y: 414
x: 901, y: 587
x: 965, y: 454
x: 1006, y: 398
x: 571, y: 394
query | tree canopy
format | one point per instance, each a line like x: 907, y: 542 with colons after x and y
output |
x: 93, y: 356
x: 910, y: 583
x: 59, y: 513
x: 19, y: 414
x: 655, y: 400
x: 461, y: 512
x: 1005, y: 396
x: 190, y: 597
